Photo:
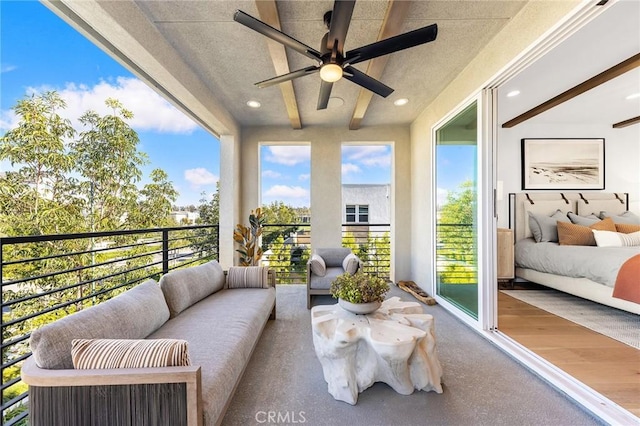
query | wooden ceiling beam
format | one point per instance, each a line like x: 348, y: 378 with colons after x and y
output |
x: 625, y: 123
x: 613, y: 72
x: 392, y: 25
x: 268, y: 11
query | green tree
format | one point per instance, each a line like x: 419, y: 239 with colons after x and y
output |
x: 205, y: 241
x: 154, y: 204
x: 109, y: 162
x: 456, y: 234
x: 278, y: 213
x: 280, y: 258
x: 37, y: 197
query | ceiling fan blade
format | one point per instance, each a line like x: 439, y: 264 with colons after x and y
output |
x: 267, y: 30
x: 325, y: 93
x: 392, y: 44
x: 369, y: 83
x: 286, y: 77
x: 340, y: 20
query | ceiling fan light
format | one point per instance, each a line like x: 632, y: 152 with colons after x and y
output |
x: 331, y: 73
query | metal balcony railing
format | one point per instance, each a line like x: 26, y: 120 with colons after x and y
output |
x: 287, y: 248
x: 456, y: 254
x: 46, y: 277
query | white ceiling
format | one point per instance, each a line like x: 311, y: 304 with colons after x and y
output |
x: 612, y: 37
x: 196, y: 55
x: 229, y: 58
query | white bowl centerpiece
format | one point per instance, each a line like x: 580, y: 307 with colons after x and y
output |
x: 359, y: 293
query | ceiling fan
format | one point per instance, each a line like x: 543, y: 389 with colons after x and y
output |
x: 333, y: 62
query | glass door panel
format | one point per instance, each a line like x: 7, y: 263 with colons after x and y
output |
x: 456, y: 171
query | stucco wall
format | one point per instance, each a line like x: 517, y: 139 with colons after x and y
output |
x: 326, y: 180
x: 523, y: 30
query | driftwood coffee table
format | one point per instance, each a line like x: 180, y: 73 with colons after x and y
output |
x: 396, y: 345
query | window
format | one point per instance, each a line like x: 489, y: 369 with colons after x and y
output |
x: 357, y: 213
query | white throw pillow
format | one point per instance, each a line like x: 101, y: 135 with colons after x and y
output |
x: 616, y: 239
x: 350, y: 264
x: 318, y: 267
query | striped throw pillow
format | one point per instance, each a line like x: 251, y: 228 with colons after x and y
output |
x: 128, y: 353
x: 248, y: 277
x: 616, y: 239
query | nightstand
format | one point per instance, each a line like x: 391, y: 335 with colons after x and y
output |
x: 506, y: 267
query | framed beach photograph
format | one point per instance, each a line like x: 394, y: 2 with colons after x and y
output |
x: 562, y: 164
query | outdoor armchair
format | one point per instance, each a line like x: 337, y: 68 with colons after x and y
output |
x: 325, y: 265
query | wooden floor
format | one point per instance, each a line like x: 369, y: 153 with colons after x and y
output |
x: 604, y: 364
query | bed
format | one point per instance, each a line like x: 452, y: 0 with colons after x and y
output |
x: 590, y: 272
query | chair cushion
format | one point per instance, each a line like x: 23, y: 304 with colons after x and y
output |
x: 333, y: 256
x: 134, y: 314
x: 248, y: 277
x: 317, y: 265
x: 184, y: 287
x: 350, y: 264
x: 324, y: 283
x: 128, y: 353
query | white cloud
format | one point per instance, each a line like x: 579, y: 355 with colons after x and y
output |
x: 368, y: 155
x: 7, y: 68
x: 441, y: 195
x: 284, y: 191
x: 304, y: 177
x: 8, y: 120
x: 151, y: 111
x: 358, y: 152
x: 289, y: 155
x: 271, y: 174
x: 350, y: 168
x: 379, y: 161
x: 199, y: 177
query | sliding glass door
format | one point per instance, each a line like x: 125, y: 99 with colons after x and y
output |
x: 457, y: 218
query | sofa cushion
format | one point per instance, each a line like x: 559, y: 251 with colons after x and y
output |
x: 248, y: 277
x: 134, y: 314
x: 184, y: 287
x: 128, y: 353
x: 317, y: 265
x: 333, y: 256
x: 350, y: 264
x: 222, y: 330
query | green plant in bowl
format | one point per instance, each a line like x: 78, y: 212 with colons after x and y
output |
x: 359, y: 288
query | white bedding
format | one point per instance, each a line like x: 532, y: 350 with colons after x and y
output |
x: 599, y: 264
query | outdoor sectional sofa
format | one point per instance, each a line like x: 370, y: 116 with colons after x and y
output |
x: 221, y: 318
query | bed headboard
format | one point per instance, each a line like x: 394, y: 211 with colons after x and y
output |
x: 614, y: 203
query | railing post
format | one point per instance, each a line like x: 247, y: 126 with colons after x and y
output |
x: 165, y: 251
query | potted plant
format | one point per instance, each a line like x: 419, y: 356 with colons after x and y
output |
x: 249, y: 239
x: 359, y: 293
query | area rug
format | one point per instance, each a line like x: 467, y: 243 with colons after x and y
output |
x: 614, y: 323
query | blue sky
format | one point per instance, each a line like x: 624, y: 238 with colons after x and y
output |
x: 41, y: 52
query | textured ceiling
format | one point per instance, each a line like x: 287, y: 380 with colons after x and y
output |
x: 229, y: 58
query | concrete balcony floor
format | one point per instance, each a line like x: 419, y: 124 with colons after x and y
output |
x: 284, y: 384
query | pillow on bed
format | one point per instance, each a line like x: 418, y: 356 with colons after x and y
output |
x: 616, y: 239
x: 583, y: 220
x: 626, y: 217
x: 544, y: 228
x: 627, y: 228
x: 570, y: 234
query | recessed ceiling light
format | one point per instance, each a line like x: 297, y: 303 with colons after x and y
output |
x: 513, y: 93
x: 335, y: 102
x: 401, y: 101
x: 253, y: 104
x: 633, y: 96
